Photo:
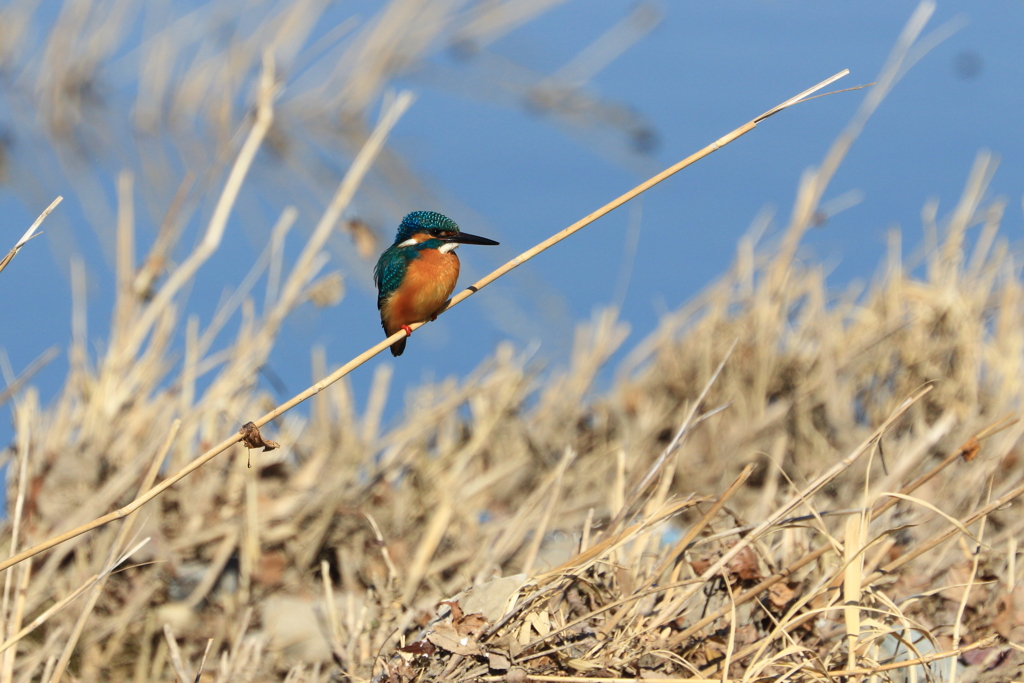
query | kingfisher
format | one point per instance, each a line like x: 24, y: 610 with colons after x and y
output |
x: 416, y: 275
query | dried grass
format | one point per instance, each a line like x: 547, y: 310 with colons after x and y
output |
x: 720, y: 513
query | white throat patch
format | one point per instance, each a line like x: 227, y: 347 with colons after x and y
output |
x: 447, y: 247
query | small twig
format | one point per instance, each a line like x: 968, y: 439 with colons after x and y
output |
x: 202, y: 662
x: 176, y: 661
x: 683, y: 430
x: 958, y: 622
x: 836, y: 92
x: 893, y: 666
x: 34, y: 367
x: 113, y: 558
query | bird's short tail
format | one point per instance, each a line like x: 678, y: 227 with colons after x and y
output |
x: 398, y: 347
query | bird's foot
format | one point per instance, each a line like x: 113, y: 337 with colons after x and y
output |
x: 408, y: 330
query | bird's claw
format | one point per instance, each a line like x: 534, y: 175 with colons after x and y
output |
x: 408, y: 330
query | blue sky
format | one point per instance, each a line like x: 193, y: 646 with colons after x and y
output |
x: 507, y: 171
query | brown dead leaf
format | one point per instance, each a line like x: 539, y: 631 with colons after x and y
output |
x: 517, y: 675
x: 746, y: 634
x: 454, y: 606
x: 401, y: 672
x: 745, y: 566
x: 1009, y: 619
x: 418, y: 652
x: 494, y: 598
x: 252, y: 438
x: 447, y: 638
x: 781, y: 595
x: 471, y: 624
x: 970, y: 449
x: 700, y: 566
x: 498, y: 662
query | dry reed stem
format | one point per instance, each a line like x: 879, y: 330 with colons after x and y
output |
x: 176, y: 660
x: 896, y: 666
x: 810, y: 378
x: 202, y: 662
x: 218, y: 220
x: 542, y: 526
x: 29, y: 234
x: 113, y: 555
x: 813, y: 556
x: 45, y: 616
x: 40, y: 361
x: 958, y: 623
x: 659, y: 464
x: 670, y: 612
x: 905, y: 559
x: 675, y: 555
x: 854, y: 559
x: 212, y: 240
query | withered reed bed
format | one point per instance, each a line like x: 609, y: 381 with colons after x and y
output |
x: 720, y: 513
x: 326, y: 224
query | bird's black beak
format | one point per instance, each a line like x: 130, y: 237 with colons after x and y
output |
x: 466, y: 238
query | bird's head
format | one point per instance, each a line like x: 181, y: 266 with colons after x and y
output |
x: 422, y: 226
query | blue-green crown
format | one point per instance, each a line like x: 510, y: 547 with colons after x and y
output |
x: 424, y: 221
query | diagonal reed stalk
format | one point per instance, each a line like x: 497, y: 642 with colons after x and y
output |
x: 30, y: 233
x: 378, y: 348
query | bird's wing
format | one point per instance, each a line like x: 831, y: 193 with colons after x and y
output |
x: 388, y: 274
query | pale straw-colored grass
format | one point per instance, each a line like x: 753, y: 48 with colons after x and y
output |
x: 719, y: 513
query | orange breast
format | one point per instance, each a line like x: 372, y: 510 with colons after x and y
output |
x: 429, y: 281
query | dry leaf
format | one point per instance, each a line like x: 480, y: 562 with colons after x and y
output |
x: 970, y: 449
x: 447, y: 638
x: 252, y: 438
x: 957, y: 578
x: 498, y: 662
x: 471, y: 624
x: 454, y: 606
x: 700, y: 566
x: 781, y: 595
x: 517, y: 675
x: 583, y: 664
x: 540, y: 621
x: 745, y: 566
x: 494, y: 598
x: 417, y: 652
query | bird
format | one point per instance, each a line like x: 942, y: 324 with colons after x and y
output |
x: 417, y: 273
